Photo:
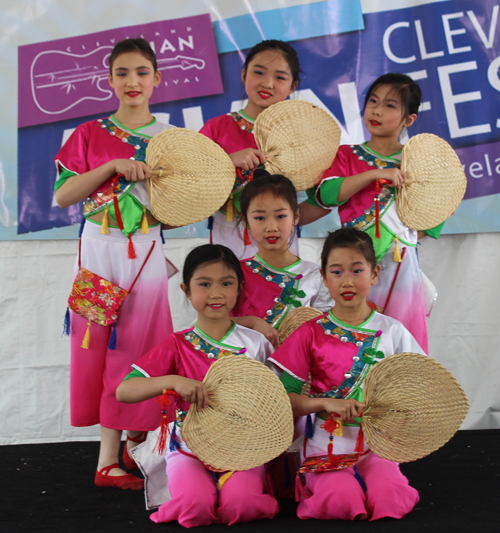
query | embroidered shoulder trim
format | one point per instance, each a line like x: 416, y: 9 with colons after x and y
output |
x: 290, y: 293
x: 206, y: 346
x: 366, y: 357
x: 242, y: 122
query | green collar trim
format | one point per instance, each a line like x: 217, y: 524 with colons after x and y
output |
x: 136, y: 130
x: 364, y: 145
x: 286, y: 269
x: 350, y: 326
x: 213, y: 341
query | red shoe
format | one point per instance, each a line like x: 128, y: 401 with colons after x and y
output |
x: 129, y: 463
x: 128, y: 481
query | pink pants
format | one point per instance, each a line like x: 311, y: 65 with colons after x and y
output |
x: 194, y: 495
x: 339, y: 496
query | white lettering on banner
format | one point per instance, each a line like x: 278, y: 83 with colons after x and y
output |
x: 493, y: 74
x: 476, y: 170
x: 387, y: 48
x: 420, y: 75
x: 449, y: 33
x: 450, y: 100
x: 188, y: 43
x: 167, y: 45
x: 421, y: 43
x: 488, y: 42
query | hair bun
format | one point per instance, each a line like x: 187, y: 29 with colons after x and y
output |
x: 260, y: 172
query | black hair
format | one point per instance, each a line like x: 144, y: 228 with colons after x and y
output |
x: 133, y: 45
x: 262, y: 182
x: 408, y: 91
x: 349, y: 238
x: 207, y: 254
x: 286, y: 49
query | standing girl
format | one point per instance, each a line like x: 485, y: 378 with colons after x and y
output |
x: 270, y: 74
x: 352, y: 183
x: 212, y: 279
x: 276, y: 280
x: 338, y: 349
x: 102, y: 163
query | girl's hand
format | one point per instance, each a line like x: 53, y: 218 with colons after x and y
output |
x: 268, y: 331
x: 192, y: 391
x: 393, y: 175
x: 247, y: 159
x: 347, y: 410
x: 132, y: 170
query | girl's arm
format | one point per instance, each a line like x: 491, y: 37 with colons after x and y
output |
x: 309, y: 213
x: 257, y: 324
x: 78, y: 187
x: 353, y: 184
x: 347, y: 410
x: 138, y: 389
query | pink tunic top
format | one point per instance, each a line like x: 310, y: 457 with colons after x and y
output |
x: 271, y: 293
x: 191, y: 352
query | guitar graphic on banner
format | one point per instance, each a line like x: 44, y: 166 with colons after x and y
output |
x: 61, y: 80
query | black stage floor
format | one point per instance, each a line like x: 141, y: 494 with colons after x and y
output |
x: 49, y: 487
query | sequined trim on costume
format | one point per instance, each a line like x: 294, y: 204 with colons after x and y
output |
x: 366, y: 357
x: 242, y: 122
x: 290, y: 294
x: 206, y: 346
x: 102, y: 198
x: 386, y: 196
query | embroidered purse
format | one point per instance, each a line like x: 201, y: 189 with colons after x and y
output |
x: 97, y: 299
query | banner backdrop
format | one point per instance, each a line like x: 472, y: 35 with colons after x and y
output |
x: 450, y: 47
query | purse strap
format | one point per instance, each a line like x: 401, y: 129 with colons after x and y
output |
x: 138, y: 273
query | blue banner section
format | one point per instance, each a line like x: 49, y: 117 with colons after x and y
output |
x: 450, y: 48
x: 292, y: 24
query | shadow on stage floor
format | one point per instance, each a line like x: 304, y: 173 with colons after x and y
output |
x: 49, y: 487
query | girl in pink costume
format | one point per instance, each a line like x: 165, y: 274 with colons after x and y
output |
x: 270, y: 74
x: 102, y: 159
x: 212, y: 279
x: 347, y: 481
x: 352, y: 183
x: 276, y: 280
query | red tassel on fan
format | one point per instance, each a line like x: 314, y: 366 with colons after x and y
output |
x: 246, y: 237
x: 164, y: 401
x: 377, y: 209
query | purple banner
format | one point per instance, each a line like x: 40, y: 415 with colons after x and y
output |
x: 68, y: 78
x: 482, y: 168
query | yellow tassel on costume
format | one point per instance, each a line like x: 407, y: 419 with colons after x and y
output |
x: 144, y: 227
x: 397, y: 255
x: 338, y: 431
x: 86, y: 339
x: 222, y: 480
x: 230, y: 209
x: 104, y: 227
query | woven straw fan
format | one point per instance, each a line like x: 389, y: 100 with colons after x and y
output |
x: 435, y: 183
x: 192, y: 176
x: 299, y: 139
x: 248, y: 420
x: 413, y: 407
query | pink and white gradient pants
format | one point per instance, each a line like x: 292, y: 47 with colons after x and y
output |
x: 194, y: 495
x: 339, y: 496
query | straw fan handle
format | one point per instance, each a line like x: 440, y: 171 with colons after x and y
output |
x: 384, y: 182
